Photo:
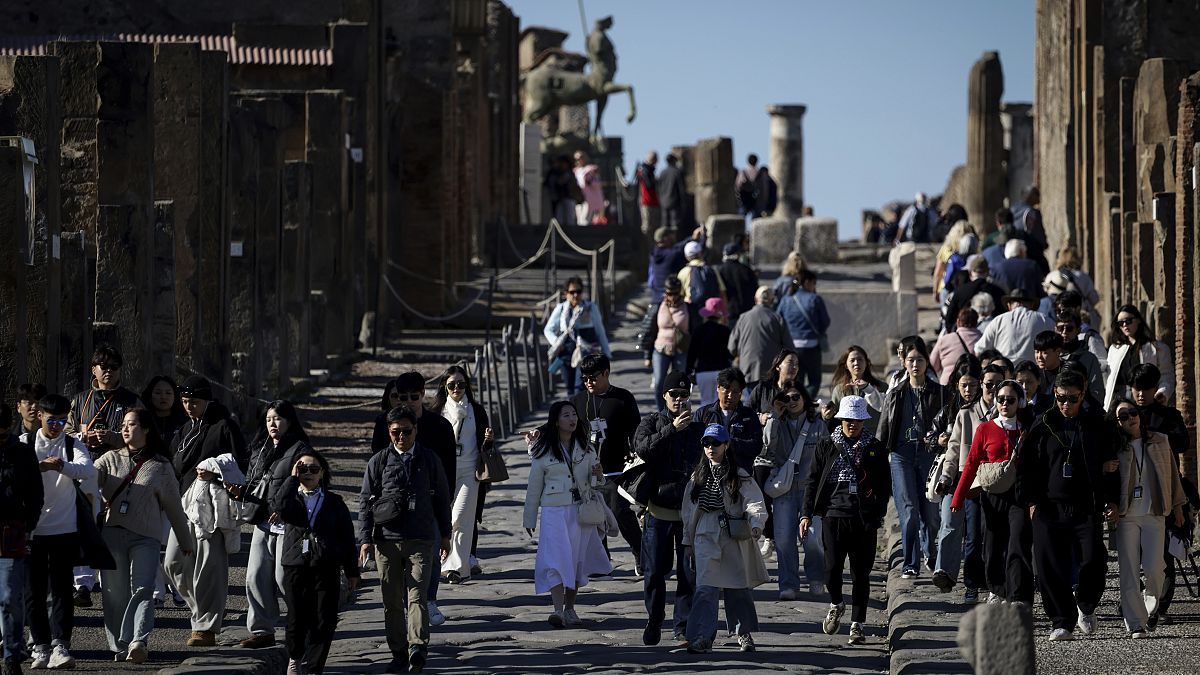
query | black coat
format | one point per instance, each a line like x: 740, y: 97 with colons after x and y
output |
x: 933, y: 399
x: 745, y: 432
x: 1167, y: 421
x: 961, y: 298
x: 426, y: 483
x: 1044, y: 447
x: 332, y: 530
x: 215, y: 434
x: 741, y: 282
x: 709, y: 351
x: 435, y: 433
x: 272, y: 462
x: 670, y: 455
x: 875, y: 481
x: 21, y: 493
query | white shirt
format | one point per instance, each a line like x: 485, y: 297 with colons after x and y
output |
x: 1012, y: 333
x: 58, y: 506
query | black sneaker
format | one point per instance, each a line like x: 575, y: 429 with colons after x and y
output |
x: 416, y: 659
x: 83, y: 597
x: 453, y: 578
x: 12, y: 667
x: 652, y: 634
x: 942, y: 581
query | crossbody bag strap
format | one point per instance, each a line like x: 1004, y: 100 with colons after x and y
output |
x: 137, y: 467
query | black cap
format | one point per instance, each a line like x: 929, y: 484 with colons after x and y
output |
x: 677, y: 380
x: 1018, y: 295
x: 198, y: 387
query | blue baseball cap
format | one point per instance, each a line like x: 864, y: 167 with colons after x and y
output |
x: 716, y: 431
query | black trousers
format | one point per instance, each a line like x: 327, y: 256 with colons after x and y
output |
x: 850, y: 538
x: 312, y: 596
x: 662, y: 551
x: 1007, y: 547
x: 1057, y: 531
x: 49, y: 606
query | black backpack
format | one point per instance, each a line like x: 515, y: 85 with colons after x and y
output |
x: 702, y: 285
x: 920, y: 225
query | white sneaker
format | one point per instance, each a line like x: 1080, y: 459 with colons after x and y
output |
x: 1139, y: 634
x: 833, y: 619
x: 767, y: 548
x: 1087, y: 623
x: 436, y: 618
x: 856, y: 634
x: 137, y: 652
x: 1061, y: 635
x: 40, y: 657
x: 61, y: 659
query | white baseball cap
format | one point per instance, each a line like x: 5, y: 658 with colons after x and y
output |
x: 692, y: 249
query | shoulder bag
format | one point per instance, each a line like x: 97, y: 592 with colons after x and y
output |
x: 739, y: 528
x: 490, y: 467
x: 822, y: 338
x: 780, y: 480
x: 999, y: 477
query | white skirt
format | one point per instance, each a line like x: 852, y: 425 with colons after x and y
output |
x: 567, y: 551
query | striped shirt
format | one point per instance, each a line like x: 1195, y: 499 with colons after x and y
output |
x: 711, y: 497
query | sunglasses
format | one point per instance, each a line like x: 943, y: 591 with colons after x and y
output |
x: 790, y: 398
x: 456, y: 384
x: 1068, y: 399
x: 56, y: 422
x: 1006, y: 400
x: 575, y: 291
x: 1125, y: 322
x: 711, y: 442
x: 409, y: 397
x: 679, y: 393
x: 591, y: 378
x: 402, y: 431
x: 990, y: 385
x: 308, y: 468
x: 1128, y: 414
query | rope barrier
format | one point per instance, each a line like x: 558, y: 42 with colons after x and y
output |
x: 463, y: 310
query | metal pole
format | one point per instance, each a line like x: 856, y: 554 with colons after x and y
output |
x: 495, y: 375
x: 529, y: 396
x: 542, y: 376
x: 510, y: 363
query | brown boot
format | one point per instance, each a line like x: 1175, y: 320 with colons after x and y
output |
x: 259, y: 640
x: 202, y: 638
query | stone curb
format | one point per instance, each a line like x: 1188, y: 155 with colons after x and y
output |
x: 922, y: 621
x: 269, y: 661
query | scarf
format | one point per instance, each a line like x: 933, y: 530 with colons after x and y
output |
x: 844, y: 468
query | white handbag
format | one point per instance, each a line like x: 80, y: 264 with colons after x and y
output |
x: 780, y: 480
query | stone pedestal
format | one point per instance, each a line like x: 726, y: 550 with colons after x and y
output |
x: 720, y: 230
x: 714, y: 178
x: 985, y: 175
x: 771, y: 239
x: 787, y: 158
x: 531, y: 207
x: 817, y: 239
x: 903, y: 261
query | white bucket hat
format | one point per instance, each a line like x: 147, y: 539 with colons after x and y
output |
x: 853, y: 408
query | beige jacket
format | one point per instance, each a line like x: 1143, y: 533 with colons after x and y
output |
x: 720, y: 560
x: 961, y: 435
x: 1166, y: 490
x: 551, y: 480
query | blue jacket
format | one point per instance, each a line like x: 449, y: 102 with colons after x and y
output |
x: 665, y: 262
x: 811, y: 307
x: 553, y: 325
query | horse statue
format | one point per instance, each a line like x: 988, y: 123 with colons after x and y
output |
x: 548, y: 87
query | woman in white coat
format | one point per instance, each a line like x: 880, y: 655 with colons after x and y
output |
x: 723, y: 516
x: 564, y: 471
x: 1133, y: 343
x: 1151, y: 493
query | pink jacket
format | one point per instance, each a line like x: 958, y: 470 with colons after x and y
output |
x: 669, y: 318
x: 948, y: 348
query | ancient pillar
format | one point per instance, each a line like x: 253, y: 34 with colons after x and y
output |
x: 210, y: 350
x: 163, y: 322
x: 985, y: 176
x: 294, y: 249
x: 29, y: 108
x: 108, y: 118
x: 14, y: 215
x: 1187, y: 261
x: 714, y: 178
x: 787, y: 158
x: 1017, y: 121
x: 324, y: 151
x: 1054, y: 170
x: 531, y: 207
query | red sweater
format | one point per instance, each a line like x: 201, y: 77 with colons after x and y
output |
x: 991, y: 443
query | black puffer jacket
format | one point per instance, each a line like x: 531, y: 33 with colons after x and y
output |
x: 933, y: 399
x: 332, y: 530
x: 21, y: 493
x: 426, y: 482
x: 670, y: 455
x: 875, y: 481
x: 272, y: 462
x: 216, y: 433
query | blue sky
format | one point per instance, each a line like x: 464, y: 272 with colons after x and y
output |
x: 885, y: 82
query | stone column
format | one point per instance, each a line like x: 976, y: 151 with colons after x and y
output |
x: 531, y: 206
x: 985, y: 176
x: 163, y: 321
x: 1017, y: 120
x: 13, y: 214
x: 324, y: 151
x: 210, y: 350
x: 1187, y: 261
x: 294, y: 252
x: 787, y: 158
x: 714, y: 178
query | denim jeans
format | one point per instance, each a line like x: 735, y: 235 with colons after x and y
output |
x: 959, y: 547
x: 570, y: 380
x: 740, y: 616
x: 663, y: 364
x: 12, y: 607
x: 786, y: 516
x: 920, y: 519
x: 662, y: 548
x: 128, y: 590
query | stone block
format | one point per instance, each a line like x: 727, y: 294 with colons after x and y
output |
x: 903, y: 261
x: 997, y: 639
x: 714, y: 178
x: 722, y: 229
x: 906, y: 314
x: 771, y: 239
x: 531, y: 174
x: 850, y: 311
x: 817, y: 239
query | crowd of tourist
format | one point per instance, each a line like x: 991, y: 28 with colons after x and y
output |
x: 1008, y: 448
